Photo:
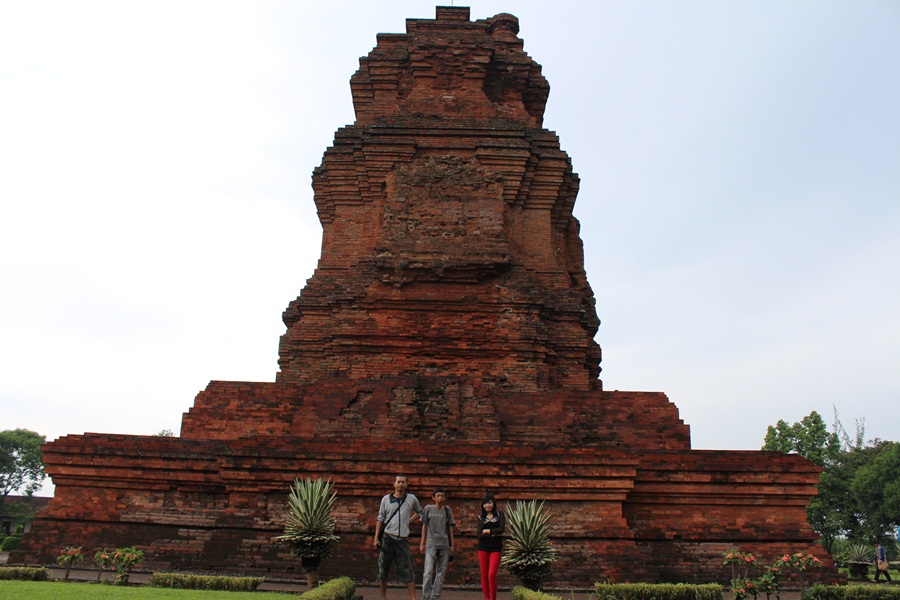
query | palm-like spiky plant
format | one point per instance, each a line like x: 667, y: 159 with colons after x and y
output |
x: 857, y: 558
x: 309, y: 530
x: 528, y: 553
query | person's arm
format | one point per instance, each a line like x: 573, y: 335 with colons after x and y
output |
x: 424, y: 532
x: 483, y: 530
x: 500, y: 527
x: 450, y: 529
x: 379, y: 523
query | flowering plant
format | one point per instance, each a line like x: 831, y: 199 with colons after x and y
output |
x: 104, y: 560
x: 740, y: 563
x: 738, y: 557
x: 803, y: 562
x: 69, y: 557
x: 768, y: 582
x: 742, y: 588
x: 124, y: 560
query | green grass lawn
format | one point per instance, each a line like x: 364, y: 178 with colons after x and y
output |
x: 55, y: 590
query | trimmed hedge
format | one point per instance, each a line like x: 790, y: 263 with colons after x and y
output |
x: 25, y: 573
x: 523, y: 593
x: 183, y: 581
x: 11, y: 542
x: 851, y: 592
x: 341, y: 588
x: 658, y: 591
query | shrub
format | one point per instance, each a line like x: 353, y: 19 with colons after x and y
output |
x: 11, y: 542
x: 25, y: 573
x: 341, y: 588
x: 523, y: 593
x: 851, y: 592
x: 184, y: 581
x: 123, y: 561
x: 659, y: 591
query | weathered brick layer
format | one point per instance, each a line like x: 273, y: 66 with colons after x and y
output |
x: 448, y: 333
x: 211, y: 504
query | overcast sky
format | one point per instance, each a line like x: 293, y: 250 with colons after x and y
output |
x: 740, y: 169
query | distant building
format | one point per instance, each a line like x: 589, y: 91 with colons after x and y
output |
x: 11, y: 511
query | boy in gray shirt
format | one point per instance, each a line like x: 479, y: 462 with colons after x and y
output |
x: 436, y: 543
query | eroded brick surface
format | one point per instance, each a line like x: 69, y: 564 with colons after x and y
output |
x: 447, y: 333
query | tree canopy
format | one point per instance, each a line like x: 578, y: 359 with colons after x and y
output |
x: 876, y: 487
x: 859, y: 489
x: 809, y: 437
x: 21, y: 462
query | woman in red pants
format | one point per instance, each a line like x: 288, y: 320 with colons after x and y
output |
x: 491, y: 525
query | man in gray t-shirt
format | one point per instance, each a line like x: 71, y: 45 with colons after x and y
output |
x: 436, y: 543
x: 394, y: 514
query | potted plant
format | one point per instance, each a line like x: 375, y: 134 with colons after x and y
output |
x: 309, y: 531
x: 858, y: 558
x: 528, y: 553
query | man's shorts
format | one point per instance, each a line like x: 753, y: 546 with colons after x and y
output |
x: 397, y: 552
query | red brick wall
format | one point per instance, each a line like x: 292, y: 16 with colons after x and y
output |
x: 215, y: 505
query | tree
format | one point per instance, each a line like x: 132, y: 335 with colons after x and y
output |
x: 21, y: 464
x: 832, y: 511
x: 19, y: 512
x: 876, y: 487
x: 808, y: 438
x: 859, y: 437
x: 859, y: 489
x: 845, y: 503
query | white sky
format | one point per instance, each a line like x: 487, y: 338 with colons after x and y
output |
x: 740, y: 167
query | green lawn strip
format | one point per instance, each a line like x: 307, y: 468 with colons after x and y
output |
x: 55, y: 590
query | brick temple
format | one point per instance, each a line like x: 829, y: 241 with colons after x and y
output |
x: 447, y: 333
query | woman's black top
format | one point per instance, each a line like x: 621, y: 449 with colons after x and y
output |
x: 491, y: 542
